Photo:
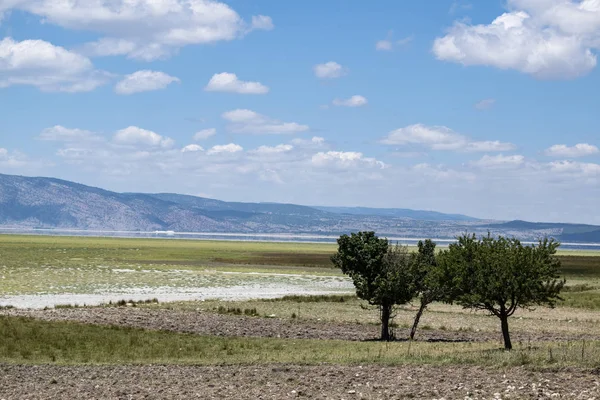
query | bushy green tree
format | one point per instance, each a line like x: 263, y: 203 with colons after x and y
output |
x: 428, y: 284
x: 501, y: 275
x: 380, y: 272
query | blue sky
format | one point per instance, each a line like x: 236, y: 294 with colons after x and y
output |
x: 487, y: 108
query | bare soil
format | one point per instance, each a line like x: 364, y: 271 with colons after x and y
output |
x: 289, y: 381
x: 208, y: 323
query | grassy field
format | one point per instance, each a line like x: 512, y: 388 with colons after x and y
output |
x: 41, y: 264
x: 31, y: 341
x: 32, y: 265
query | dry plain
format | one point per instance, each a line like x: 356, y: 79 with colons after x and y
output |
x: 317, y: 346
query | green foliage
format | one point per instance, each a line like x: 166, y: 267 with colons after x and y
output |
x: 495, y: 273
x: 361, y: 256
x: 381, y: 273
x: 500, y: 275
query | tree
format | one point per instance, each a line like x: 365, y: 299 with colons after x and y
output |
x: 427, y: 282
x: 501, y: 275
x: 380, y: 272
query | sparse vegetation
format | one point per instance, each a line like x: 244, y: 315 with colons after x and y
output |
x: 32, y: 341
x: 63, y: 259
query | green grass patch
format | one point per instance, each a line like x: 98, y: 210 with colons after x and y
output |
x: 32, y: 341
x: 580, y: 266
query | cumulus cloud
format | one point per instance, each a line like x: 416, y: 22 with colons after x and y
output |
x: 344, y: 159
x: 579, y: 150
x: 224, y: 149
x: 192, y: 148
x: 315, y: 141
x: 441, y: 138
x: 329, y: 70
x: 576, y: 169
x: 280, y: 148
x: 134, y: 135
x: 499, y: 161
x: 548, y: 39
x: 310, y: 173
x: 247, y: 121
x: 204, y: 134
x: 354, y: 101
x: 48, y: 67
x: 227, y: 82
x: 144, y: 81
x: 145, y: 29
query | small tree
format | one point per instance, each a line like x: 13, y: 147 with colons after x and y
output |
x: 380, y: 272
x: 501, y: 275
x: 426, y: 280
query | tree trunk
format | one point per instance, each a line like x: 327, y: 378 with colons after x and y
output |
x: 505, y: 334
x: 386, y: 312
x: 417, y: 319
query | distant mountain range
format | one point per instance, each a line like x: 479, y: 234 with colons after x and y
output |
x: 57, y: 204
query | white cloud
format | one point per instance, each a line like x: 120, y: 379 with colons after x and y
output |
x: 145, y: 29
x: 344, y: 159
x: 134, y: 135
x: 144, y: 81
x: 441, y: 138
x: 247, y: 121
x: 280, y: 148
x: 485, y: 104
x: 579, y: 17
x: 436, y: 137
x: 262, y: 22
x: 192, y: 148
x: 499, y: 161
x: 60, y: 133
x: 354, y: 101
x: 204, y: 134
x: 579, y: 150
x: 18, y: 162
x: 576, y: 168
x: 46, y: 66
x: 536, y: 42
x: 384, y: 45
x: 314, y: 141
x: 329, y: 70
x: 226, y: 148
x: 227, y: 82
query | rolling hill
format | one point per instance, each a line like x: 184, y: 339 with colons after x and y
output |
x: 50, y: 203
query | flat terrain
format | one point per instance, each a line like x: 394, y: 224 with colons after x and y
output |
x: 244, y: 347
x: 292, y: 381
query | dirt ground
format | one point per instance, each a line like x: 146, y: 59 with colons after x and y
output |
x: 207, y: 323
x: 288, y: 381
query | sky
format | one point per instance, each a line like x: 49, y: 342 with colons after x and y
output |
x: 485, y: 108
